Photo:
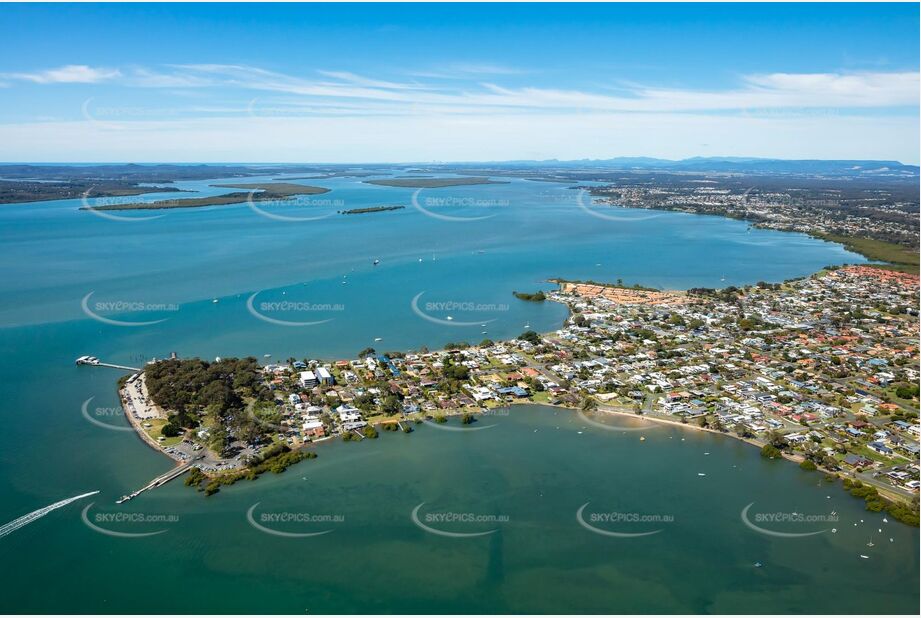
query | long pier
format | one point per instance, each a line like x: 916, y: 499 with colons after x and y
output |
x: 92, y: 361
x: 160, y: 480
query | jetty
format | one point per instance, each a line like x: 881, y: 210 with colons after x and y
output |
x: 92, y: 361
x: 160, y: 480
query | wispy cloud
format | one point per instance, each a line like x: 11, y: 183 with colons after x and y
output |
x: 767, y: 91
x: 347, y: 92
x: 69, y: 74
x: 359, y: 80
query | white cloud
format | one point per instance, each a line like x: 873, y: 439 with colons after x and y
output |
x: 373, y: 83
x: 776, y: 90
x: 70, y: 74
x: 755, y: 92
x: 249, y: 110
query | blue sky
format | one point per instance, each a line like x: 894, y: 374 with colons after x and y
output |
x: 357, y: 83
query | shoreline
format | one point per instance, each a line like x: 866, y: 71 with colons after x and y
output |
x: 423, y: 418
x: 797, y: 459
x: 603, y: 408
x: 137, y: 424
x: 870, y: 248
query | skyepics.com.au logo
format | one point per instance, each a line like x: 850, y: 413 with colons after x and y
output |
x: 787, y: 524
x: 317, y: 207
x: 270, y: 416
x: 469, y: 422
x: 443, y: 311
x: 444, y: 523
x: 587, y: 205
x: 95, y: 310
x: 627, y: 425
x: 622, y: 524
x: 106, y: 207
x: 293, y: 524
x: 97, y: 414
x: 430, y: 204
x: 117, y: 117
x: 280, y: 313
x: 127, y: 525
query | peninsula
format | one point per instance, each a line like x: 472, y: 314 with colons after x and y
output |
x: 257, y: 192
x: 821, y: 370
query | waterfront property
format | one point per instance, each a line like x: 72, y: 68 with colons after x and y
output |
x: 824, y: 369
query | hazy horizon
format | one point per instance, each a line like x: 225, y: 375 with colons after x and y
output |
x: 461, y: 162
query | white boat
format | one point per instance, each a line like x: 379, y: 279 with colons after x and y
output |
x: 376, y: 262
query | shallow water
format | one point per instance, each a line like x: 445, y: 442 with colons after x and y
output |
x: 376, y: 560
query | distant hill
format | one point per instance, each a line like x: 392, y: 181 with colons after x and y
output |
x: 740, y: 165
x: 726, y: 165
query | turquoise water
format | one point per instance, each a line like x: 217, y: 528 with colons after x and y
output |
x: 377, y: 560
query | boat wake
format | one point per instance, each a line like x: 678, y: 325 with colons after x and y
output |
x: 16, y: 524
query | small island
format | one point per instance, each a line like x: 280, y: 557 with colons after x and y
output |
x: 362, y: 211
x: 257, y: 192
x: 435, y: 183
x: 536, y: 297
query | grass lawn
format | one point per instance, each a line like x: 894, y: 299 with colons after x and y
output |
x: 869, y: 453
x: 154, y: 431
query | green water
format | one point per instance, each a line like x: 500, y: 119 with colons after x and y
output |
x: 534, y: 469
x: 524, y: 468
